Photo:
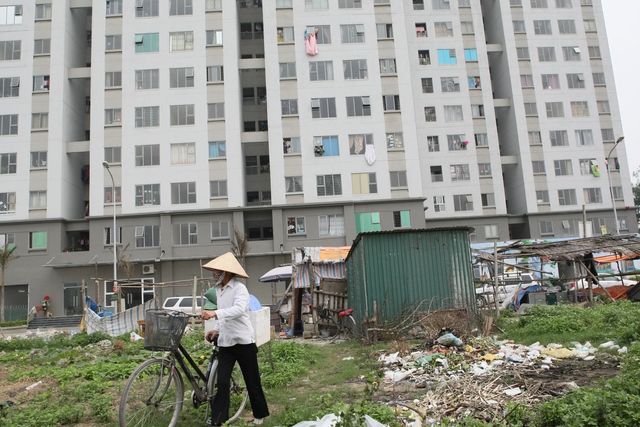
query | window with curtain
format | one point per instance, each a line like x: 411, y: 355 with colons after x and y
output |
x: 183, y: 153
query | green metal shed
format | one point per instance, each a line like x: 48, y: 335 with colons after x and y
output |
x: 402, y: 268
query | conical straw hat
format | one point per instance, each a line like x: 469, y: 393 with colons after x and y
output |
x: 226, y: 262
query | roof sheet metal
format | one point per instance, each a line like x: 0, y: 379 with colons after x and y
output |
x: 401, y: 270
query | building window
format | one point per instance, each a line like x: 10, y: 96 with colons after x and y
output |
x: 584, y: 137
x: 108, y: 195
x: 546, y: 54
x: 38, y: 159
x: 296, y: 225
x: 7, y: 203
x: 355, y: 69
x: 220, y: 230
x: 43, y: 47
x: 385, y: 31
x: 113, y: 79
x: 471, y: 55
x: 364, y: 183
x: 554, y: 109
x: 542, y: 196
x: 293, y: 184
x: 550, y: 81
x: 218, y: 189
x: 113, y: 43
x: 519, y: 27
x: 567, y: 26
x: 9, y: 124
x: 579, y: 109
x: 398, y: 179
x: 474, y: 82
x: 456, y: 142
x: 328, y: 185
x: 441, y: 4
x: 430, y: 114
x: 8, y: 164
x: 186, y: 234
x: 353, y: 33
x: 10, y: 50
x: 590, y: 26
x: 316, y: 4
x: 491, y: 231
x: 38, y: 240
x: 477, y: 111
x: 484, y: 169
x: 359, y: 142
x: 538, y: 167
x: 535, y: 138
x: 181, y: 41
x: 562, y: 167
x: 438, y: 204
x: 575, y: 81
x: 147, y: 155
x: 427, y: 85
x: 460, y: 173
x: 421, y: 29
x: 542, y: 27
x: 289, y: 107
x: 388, y: 66
x: 447, y: 57
x: 607, y: 135
x: 147, y: 117
x: 559, y: 138
x: 285, y: 34
x: 453, y: 113
x: 145, y: 8
x: 217, y: 149
x: 394, y: 140
x: 592, y: 196
x: 603, y: 107
x: 181, y: 77
x: 11, y: 15
x: 215, y: 74
x: 546, y: 228
x: 183, y: 193
x: 488, y: 200
x: 391, y: 102
x: 148, y: 194
x: 9, y: 87
x: 599, y: 79
x: 418, y: 4
x: 147, y: 43
x: 147, y: 79
x: 424, y: 58
x: 539, y: 4
x: 433, y: 144
x: 443, y: 29
x: 436, y: 174
x: 215, y: 111
x: 401, y: 219
x: 571, y: 53
x: 287, y: 70
x: 181, y: 7
x: 183, y: 153
x: 368, y: 221
x: 326, y: 146
x: 113, y: 155
x: 526, y: 81
x: 255, y: 165
x: 331, y: 225
x: 39, y: 121
x: 40, y: 83
x: 617, y: 193
x: 43, y: 11
x: 114, y: 7
x: 530, y: 109
x: 567, y: 197
x: 147, y: 236
x: 358, y: 106
x: 588, y: 166
x: 450, y: 84
x: 182, y: 115
x: 594, y: 52
x: 467, y: 27
x: 291, y: 145
x: 523, y: 53
x: 481, y: 139
x: 323, y: 107
x: 462, y: 202
x: 321, y: 70
x: 350, y: 4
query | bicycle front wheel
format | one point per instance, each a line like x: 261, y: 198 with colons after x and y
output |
x: 152, y: 395
x: 238, y: 393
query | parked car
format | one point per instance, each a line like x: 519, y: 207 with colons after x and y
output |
x: 183, y: 304
x: 606, y: 282
x: 506, y: 288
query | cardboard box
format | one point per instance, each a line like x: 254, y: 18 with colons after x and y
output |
x: 260, y: 321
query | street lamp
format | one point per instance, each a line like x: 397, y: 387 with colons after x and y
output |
x: 114, y: 234
x: 613, y: 200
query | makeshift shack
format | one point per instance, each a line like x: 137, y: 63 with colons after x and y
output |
x: 390, y: 273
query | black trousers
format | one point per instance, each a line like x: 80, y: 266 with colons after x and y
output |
x: 247, y: 357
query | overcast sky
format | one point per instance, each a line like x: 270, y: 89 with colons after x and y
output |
x: 621, y: 17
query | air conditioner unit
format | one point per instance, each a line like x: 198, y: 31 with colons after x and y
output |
x: 148, y: 269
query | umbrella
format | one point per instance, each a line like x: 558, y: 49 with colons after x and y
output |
x: 277, y: 274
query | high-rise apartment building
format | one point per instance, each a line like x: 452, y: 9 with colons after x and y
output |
x: 295, y: 123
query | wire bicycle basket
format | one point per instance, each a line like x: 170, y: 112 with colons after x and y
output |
x: 164, y: 330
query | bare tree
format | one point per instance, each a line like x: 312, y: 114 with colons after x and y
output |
x: 7, y: 254
x: 240, y: 244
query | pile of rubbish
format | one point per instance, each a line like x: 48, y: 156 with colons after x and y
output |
x: 482, y: 377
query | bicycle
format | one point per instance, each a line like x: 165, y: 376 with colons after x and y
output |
x: 330, y: 326
x: 154, y: 393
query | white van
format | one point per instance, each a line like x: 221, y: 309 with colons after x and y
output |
x: 183, y: 304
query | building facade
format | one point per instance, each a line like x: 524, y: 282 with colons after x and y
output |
x: 293, y: 123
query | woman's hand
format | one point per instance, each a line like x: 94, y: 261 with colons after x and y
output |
x: 211, y: 335
x: 208, y: 314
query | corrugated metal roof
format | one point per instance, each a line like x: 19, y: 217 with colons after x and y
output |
x: 570, y: 250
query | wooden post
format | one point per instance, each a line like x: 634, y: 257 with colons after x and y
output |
x: 83, y: 292
x: 495, y: 276
x: 193, y: 300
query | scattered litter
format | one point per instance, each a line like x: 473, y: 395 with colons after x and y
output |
x: 348, y: 358
x: 513, y: 391
x: 135, y: 337
x: 622, y: 350
x: 607, y: 344
x: 450, y: 340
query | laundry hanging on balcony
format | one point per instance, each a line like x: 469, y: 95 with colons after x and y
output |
x: 310, y: 42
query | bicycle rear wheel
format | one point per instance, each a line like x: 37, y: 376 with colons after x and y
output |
x: 152, y: 396
x: 328, y: 327
x: 238, y: 394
